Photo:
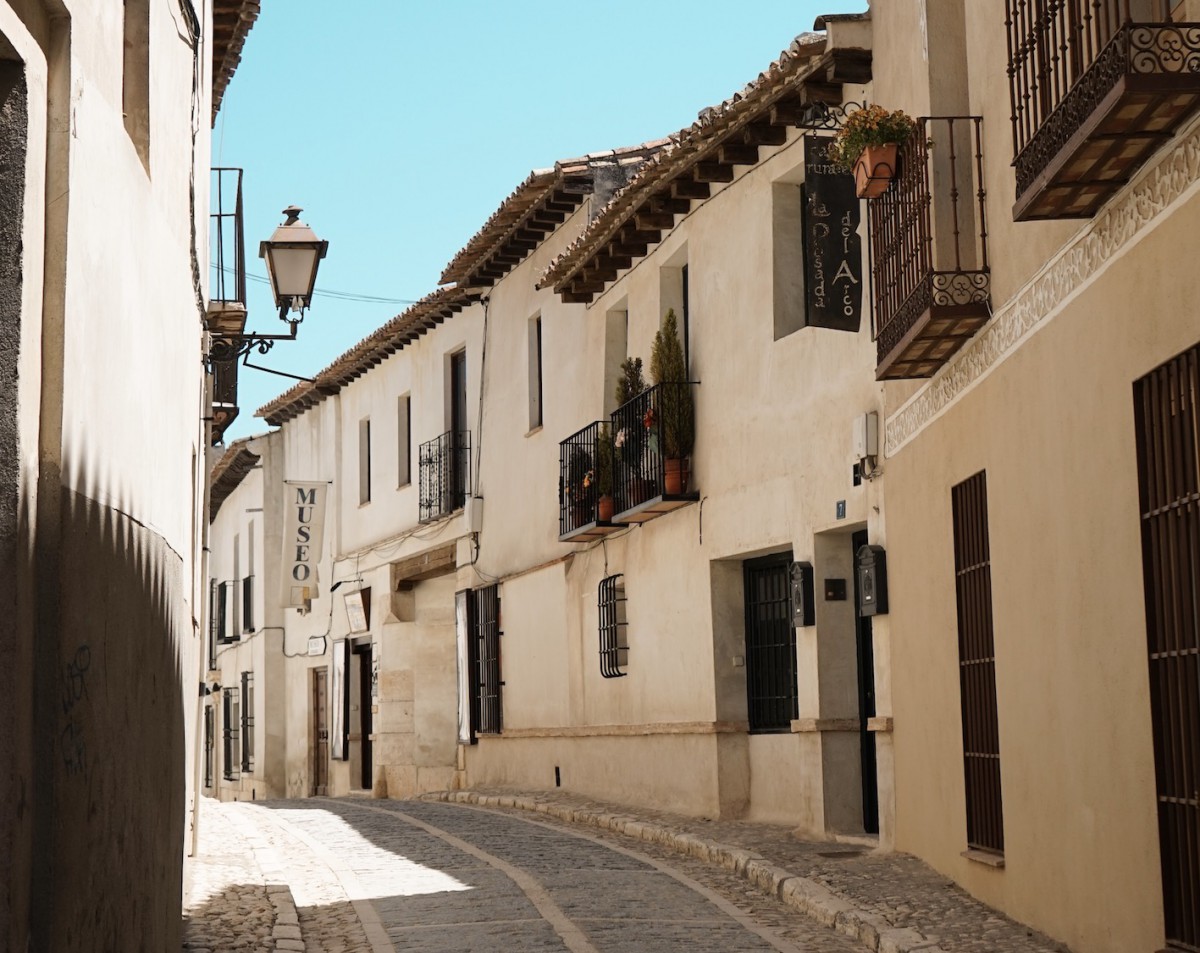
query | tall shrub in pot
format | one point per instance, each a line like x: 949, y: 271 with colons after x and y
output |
x: 676, y: 412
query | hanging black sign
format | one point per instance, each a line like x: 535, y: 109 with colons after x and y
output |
x: 832, y: 246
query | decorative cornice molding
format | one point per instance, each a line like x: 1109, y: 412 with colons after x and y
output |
x: 1068, y: 272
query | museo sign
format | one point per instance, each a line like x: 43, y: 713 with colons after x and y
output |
x: 832, y: 246
x: 304, y: 522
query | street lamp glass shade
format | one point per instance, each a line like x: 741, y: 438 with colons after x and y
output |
x: 292, y: 255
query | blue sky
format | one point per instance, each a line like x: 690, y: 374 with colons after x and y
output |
x: 400, y: 126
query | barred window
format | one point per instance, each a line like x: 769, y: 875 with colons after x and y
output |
x: 770, y: 644
x: 487, y: 633
x: 230, y: 717
x: 247, y: 721
x: 210, y: 744
x: 248, y: 604
x: 614, y: 646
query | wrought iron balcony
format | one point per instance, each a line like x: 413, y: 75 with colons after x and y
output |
x: 1096, y: 86
x: 228, y: 240
x: 445, y: 474
x: 929, y: 264
x: 225, y: 399
x: 646, y: 484
x: 585, y: 478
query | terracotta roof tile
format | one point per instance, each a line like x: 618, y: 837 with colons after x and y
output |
x: 683, y: 150
x: 229, y: 472
x: 407, y: 326
x: 232, y: 20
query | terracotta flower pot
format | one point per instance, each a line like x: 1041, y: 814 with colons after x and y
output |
x: 675, y: 476
x: 604, y: 509
x: 874, y: 170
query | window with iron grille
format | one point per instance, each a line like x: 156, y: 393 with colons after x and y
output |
x: 1167, y: 414
x: 977, y: 665
x: 214, y: 617
x: 248, y: 604
x: 614, y: 647
x: 445, y: 474
x: 771, y: 690
x: 229, y: 732
x: 247, y: 721
x: 487, y: 637
x: 210, y: 744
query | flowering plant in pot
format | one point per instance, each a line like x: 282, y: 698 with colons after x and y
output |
x: 868, y: 145
x: 580, y: 489
x: 604, y: 474
x: 629, y: 440
x: 676, y: 417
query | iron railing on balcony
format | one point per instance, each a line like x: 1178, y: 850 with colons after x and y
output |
x: 641, y: 430
x: 585, y: 474
x: 1066, y: 60
x: 227, y: 237
x: 929, y: 261
x: 445, y: 474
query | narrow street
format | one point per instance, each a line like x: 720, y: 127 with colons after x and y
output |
x: 375, y: 876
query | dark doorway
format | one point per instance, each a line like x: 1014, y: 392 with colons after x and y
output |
x: 771, y: 697
x: 320, y: 738
x: 866, y: 705
x: 365, y: 698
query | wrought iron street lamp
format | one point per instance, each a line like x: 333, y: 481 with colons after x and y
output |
x: 292, y: 255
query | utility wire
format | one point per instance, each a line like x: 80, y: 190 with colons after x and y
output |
x: 327, y: 293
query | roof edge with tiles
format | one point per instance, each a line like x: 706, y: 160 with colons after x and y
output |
x: 372, y: 350
x: 806, y: 59
x: 228, y: 473
x: 232, y: 21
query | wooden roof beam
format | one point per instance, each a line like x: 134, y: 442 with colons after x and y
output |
x: 663, y: 202
x: 735, y: 153
x: 630, y: 250
x: 713, y: 172
x: 576, y: 297
x: 653, y: 221
x: 690, y: 189
x: 764, y: 134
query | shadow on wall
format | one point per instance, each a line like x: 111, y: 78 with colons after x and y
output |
x: 114, y: 752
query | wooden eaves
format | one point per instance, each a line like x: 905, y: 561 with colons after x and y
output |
x: 731, y: 134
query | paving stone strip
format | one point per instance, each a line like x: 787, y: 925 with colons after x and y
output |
x: 889, y: 902
x: 237, y: 898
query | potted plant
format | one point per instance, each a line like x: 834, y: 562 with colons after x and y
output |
x: 581, y: 486
x: 604, y: 474
x: 629, y: 440
x: 676, y: 413
x: 868, y: 145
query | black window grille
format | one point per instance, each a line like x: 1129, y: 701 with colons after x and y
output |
x: 248, y: 604
x: 487, y: 636
x: 227, y: 235
x: 771, y: 689
x: 445, y: 465
x: 247, y: 721
x: 614, y: 646
x: 977, y: 665
x: 210, y: 744
x: 229, y: 732
x: 214, y: 616
x: 1167, y: 403
x: 224, y: 633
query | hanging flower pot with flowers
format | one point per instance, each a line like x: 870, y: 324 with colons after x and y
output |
x: 868, y: 145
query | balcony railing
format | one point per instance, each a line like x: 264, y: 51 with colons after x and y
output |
x: 929, y: 263
x: 228, y: 238
x: 1096, y: 87
x: 585, y: 469
x: 225, y: 397
x: 445, y: 474
x: 645, y: 483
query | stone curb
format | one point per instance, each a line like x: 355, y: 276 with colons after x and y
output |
x: 806, y: 896
x: 285, y: 932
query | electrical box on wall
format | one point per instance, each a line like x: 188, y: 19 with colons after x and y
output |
x: 473, y: 513
x: 803, y: 610
x: 866, y: 436
x: 871, y: 565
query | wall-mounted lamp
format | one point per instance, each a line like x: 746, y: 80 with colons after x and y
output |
x: 292, y: 255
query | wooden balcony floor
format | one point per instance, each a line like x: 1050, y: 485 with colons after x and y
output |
x: 655, y: 507
x: 1082, y: 167
x: 936, y: 335
x: 588, y: 532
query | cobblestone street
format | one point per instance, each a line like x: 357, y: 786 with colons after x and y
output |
x: 365, y: 876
